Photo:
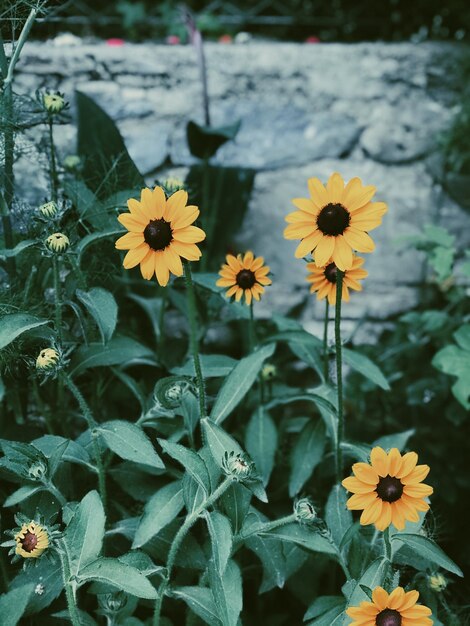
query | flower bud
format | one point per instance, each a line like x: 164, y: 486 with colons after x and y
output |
x: 169, y: 391
x: 239, y: 466
x: 58, y: 242
x: 171, y: 185
x: 72, y: 162
x: 54, y: 102
x: 37, y: 470
x: 268, y: 372
x: 47, y: 359
x: 437, y: 582
x: 31, y: 540
x: 49, y: 209
x: 304, y: 511
x: 112, y: 603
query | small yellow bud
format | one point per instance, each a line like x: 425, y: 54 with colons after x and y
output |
x: 57, y: 242
x: 172, y: 185
x: 54, y: 102
x: 49, y: 209
x: 47, y: 359
x: 268, y: 372
x: 437, y: 582
x: 72, y: 162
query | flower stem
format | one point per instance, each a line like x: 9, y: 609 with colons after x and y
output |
x: 161, y: 322
x: 339, y: 375
x: 387, y: 545
x: 266, y: 527
x: 57, y: 297
x: 325, y: 341
x: 88, y: 415
x: 53, y: 173
x: 69, y: 590
x: 55, y: 492
x: 178, y: 540
x: 193, y: 339
x: 251, y: 329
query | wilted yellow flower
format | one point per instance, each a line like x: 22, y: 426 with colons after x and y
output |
x: 49, y: 209
x: 244, y: 275
x: 58, y: 242
x: 47, y: 359
x: 395, y: 609
x: 54, y: 102
x: 31, y: 541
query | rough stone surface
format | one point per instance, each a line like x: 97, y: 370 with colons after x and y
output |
x: 367, y: 110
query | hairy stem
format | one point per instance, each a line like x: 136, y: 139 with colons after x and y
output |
x: 69, y: 589
x: 88, y: 415
x: 178, y: 540
x: 57, y: 297
x: 251, y: 330
x: 265, y: 527
x: 53, y: 165
x: 193, y: 339
x: 387, y: 545
x: 325, y: 341
x: 339, y: 375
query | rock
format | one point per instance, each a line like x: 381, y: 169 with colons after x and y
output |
x: 118, y: 102
x: 261, y: 141
x: 147, y: 142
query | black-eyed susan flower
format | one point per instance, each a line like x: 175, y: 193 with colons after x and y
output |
x: 57, y: 242
x: 160, y: 234
x: 244, y: 275
x: 47, y: 359
x: 398, y: 608
x: 31, y: 540
x: 389, y: 490
x: 335, y: 220
x: 323, y: 279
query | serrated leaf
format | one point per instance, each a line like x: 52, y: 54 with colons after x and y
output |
x: 13, y: 604
x: 239, y: 382
x: 15, y: 324
x: 159, y: 511
x: 201, y: 601
x: 84, y: 535
x: 102, y: 306
x: 130, y: 443
x: 220, y: 533
x: 337, y: 516
x: 306, y: 454
x: 366, y: 367
x: 124, y: 577
x: 430, y: 551
x: 261, y: 442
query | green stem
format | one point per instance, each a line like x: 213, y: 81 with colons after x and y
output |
x: 339, y: 375
x: 207, y: 207
x: 193, y: 339
x: 8, y: 175
x: 161, y: 322
x: 325, y: 341
x: 88, y: 415
x: 387, y: 545
x: 55, y: 492
x: 266, y: 527
x: 53, y: 173
x: 251, y: 329
x: 178, y: 540
x: 69, y: 589
x: 57, y: 297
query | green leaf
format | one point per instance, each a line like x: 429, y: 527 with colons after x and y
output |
x: 227, y: 592
x: 337, y: 516
x: 219, y: 441
x: 239, y: 382
x: 73, y: 453
x: 324, y: 607
x: 94, y: 238
x: 261, y: 442
x: 373, y: 577
x: 200, y: 601
x: 129, y: 442
x: 455, y: 361
x: 236, y: 503
x: 212, y: 365
x: 23, y: 245
x: 302, y: 536
x: 398, y: 440
x: 107, y: 164
x: 220, y: 533
x: 102, y: 306
x: 15, y: 324
x: 119, y: 351
x: 204, y: 141
x: 430, y: 551
x: 22, y: 494
x: 13, y: 604
x: 124, y: 577
x: 84, y: 535
x: 87, y: 204
x: 190, y: 460
x: 47, y: 573
x: 366, y: 367
x: 305, y: 346
x: 306, y: 454
x: 152, y: 308
x: 160, y: 510
x: 141, y: 561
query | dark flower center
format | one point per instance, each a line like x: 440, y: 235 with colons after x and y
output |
x: 158, y: 234
x: 245, y: 279
x: 29, y: 542
x: 389, y: 489
x: 333, y: 219
x: 388, y: 617
x: 331, y: 273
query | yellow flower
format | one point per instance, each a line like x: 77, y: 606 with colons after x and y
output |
x: 244, y: 275
x: 31, y: 541
x: 323, y: 280
x: 389, y: 490
x: 47, y: 358
x: 334, y: 221
x: 398, y: 608
x: 57, y: 242
x: 437, y: 582
x: 160, y: 234
x: 268, y: 371
x: 54, y: 102
x: 49, y: 209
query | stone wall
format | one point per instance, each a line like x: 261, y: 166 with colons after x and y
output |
x: 367, y: 110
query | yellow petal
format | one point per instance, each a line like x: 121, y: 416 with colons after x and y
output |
x: 359, y: 240
x: 335, y: 188
x: 161, y: 270
x: 147, y: 265
x: 318, y: 192
x: 365, y: 473
x: 190, y: 234
x: 342, y: 255
x: 304, y: 204
x: 380, y: 598
x: 308, y: 244
x: 173, y: 261
x: 324, y: 250
x: 175, y: 205
x: 129, y: 240
x: 132, y: 223
x: 135, y: 256
x: 185, y: 217
x: 379, y: 460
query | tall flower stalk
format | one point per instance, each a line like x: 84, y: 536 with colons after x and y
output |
x: 339, y: 375
x: 326, y: 363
